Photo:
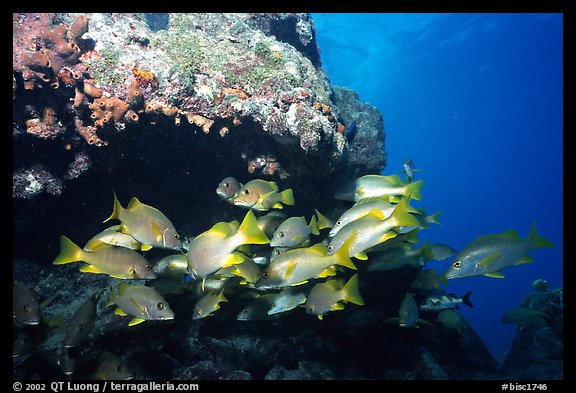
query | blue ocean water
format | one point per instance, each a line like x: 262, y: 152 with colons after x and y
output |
x: 475, y: 100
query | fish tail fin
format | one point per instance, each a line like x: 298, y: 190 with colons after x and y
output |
x: 323, y: 221
x: 343, y: 254
x: 351, y: 292
x: 426, y: 252
x: 466, y: 299
x: 538, y: 241
x: 250, y: 231
x: 433, y: 218
x: 314, y: 225
x: 400, y: 215
x: 69, y: 252
x: 116, y: 211
x: 414, y: 189
x: 288, y: 197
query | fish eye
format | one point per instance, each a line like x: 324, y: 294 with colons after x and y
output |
x: 176, y: 236
x: 226, y: 185
x: 273, y: 305
x: 148, y: 267
x: 81, y: 328
x: 281, y: 234
x: 265, y: 275
x: 26, y: 308
x: 329, y: 248
x: 457, y: 264
x: 339, y: 222
x: 160, y: 306
x: 245, y: 311
x: 246, y: 191
x: 276, y: 252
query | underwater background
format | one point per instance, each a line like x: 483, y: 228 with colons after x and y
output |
x: 168, y: 124
x: 475, y: 100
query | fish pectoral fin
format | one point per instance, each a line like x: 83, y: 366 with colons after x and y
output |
x: 137, y: 304
x: 524, y: 259
x: 134, y: 203
x: 328, y: 272
x: 89, y: 269
x: 299, y: 283
x: 135, y: 321
x: 494, y: 275
x: 278, y: 205
x: 145, y: 247
x: 290, y: 269
x: 337, y: 306
x: 120, y: 312
x: 320, y: 316
x: 362, y: 256
x: 490, y: 260
x: 233, y: 259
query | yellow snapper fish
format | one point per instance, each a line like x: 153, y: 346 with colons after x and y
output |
x: 360, y: 209
x: 270, y: 222
x: 248, y: 271
x: 424, y: 221
x: 146, y: 224
x: 263, y: 195
x: 117, y: 262
x: 228, y: 188
x: 287, y: 299
x: 208, y: 304
x: 372, y: 229
x: 328, y: 296
x: 115, y: 237
x: 25, y: 306
x: 297, y: 266
x: 488, y: 254
x: 141, y: 302
x: 172, y: 265
x: 370, y: 186
x: 294, y: 232
x: 82, y: 321
x: 216, y: 247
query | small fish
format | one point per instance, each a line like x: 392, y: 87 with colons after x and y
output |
x: 141, y: 302
x: 146, y: 224
x: 105, y: 366
x: 440, y: 251
x: 22, y: 345
x: 351, y: 131
x: 25, y: 306
x: 370, y: 186
x: 294, y: 232
x: 328, y: 296
x: 82, y: 322
x: 372, y: 229
x: 288, y: 299
x: 263, y: 195
x: 117, y: 262
x: 208, y: 304
x: 428, y: 279
x: 258, y: 309
x: 409, y: 170
x: 397, y: 257
x: 525, y: 316
x: 489, y: 254
x: 452, y: 320
x: 276, y: 251
x: 424, y: 222
x: 408, y: 311
x: 68, y: 360
x: 114, y: 237
x: 444, y: 301
x: 216, y: 247
x: 248, y: 271
x: 297, y: 266
x: 362, y: 208
x: 270, y: 222
x: 228, y: 189
x: 172, y: 265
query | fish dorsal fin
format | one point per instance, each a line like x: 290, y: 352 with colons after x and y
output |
x: 490, y: 260
x: 92, y: 245
x: 335, y: 284
x: 510, y: 234
x: 314, y: 225
x: 328, y: 272
x: 388, y: 235
x: 233, y: 259
x: 135, y: 321
x: 299, y: 283
x: 134, y: 204
x: 290, y: 269
x: 221, y: 228
x: 120, y: 312
x: 376, y: 213
x: 318, y: 248
x: 337, y: 306
x: 274, y: 185
x: 494, y: 275
x: 362, y: 256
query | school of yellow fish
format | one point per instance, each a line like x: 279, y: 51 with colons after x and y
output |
x: 284, y: 263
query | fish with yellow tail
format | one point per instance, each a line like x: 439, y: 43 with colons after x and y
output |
x: 117, y: 262
x: 297, y: 266
x: 114, y: 236
x: 141, y: 302
x: 217, y: 247
x: 208, y: 304
x: 488, y: 254
x: 263, y: 195
x: 330, y: 295
x: 146, y: 224
x: 372, y: 229
x: 294, y: 232
x: 371, y: 186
